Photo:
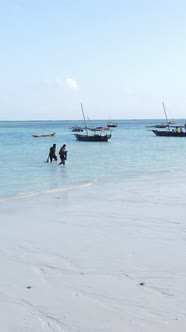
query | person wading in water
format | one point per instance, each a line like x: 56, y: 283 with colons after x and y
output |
x: 52, y: 153
x: 63, y: 154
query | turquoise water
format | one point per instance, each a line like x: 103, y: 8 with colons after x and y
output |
x: 132, y: 152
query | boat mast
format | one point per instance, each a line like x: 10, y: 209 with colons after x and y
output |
x: 166, y: 115
x: 84, y: 118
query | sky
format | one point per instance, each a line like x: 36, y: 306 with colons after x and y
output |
x: 120, y: 58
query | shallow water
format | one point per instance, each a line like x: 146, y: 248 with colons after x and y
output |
x: 132, y: 152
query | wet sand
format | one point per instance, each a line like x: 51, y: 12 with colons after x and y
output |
x: 103, y: 258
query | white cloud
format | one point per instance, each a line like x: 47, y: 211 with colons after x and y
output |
x: 71, y: 84
x: 68, y: 83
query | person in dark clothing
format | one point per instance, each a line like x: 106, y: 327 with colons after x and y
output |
x: 52, y: 153
x: 63, y: 154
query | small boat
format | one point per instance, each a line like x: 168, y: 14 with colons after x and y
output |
x: 77, y: 129
x: 170, y: 130
x: 98, y: 128
x: 93, y: 138
x: 44, y: 135
x: 162, y: 125
x: 176, y: 132
x: 111, y: 124
x: 96, y: 134
x: 158, y: 126
x: 93, y: 135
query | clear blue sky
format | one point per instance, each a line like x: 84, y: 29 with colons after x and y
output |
x: 117, y: 57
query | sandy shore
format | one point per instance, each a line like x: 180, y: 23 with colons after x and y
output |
x: 103, y: 258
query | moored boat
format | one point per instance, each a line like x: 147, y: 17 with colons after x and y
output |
x: 77, y: 129
x: 96, y: 134
x: 111, y: 124
x: 177, y: 132
x: 158, y: 126
x: 44, y: 135
x: 170, y: 130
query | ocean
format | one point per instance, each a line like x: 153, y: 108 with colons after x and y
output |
x: 133, y: 153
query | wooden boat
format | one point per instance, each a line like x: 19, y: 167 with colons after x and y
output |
x: 178, y: 132
x: 44, y: 135
x: 98, y: 128
x: 162, y: 125
x: 93, y: 134
x: 93, y: 138
x: 77, y: 129
x: 158, y: 126
x: 170, y: 130
x: 111, y: 124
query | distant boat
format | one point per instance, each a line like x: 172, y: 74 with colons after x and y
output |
x: 111, y: 124
x: 162, y: 125
x: 96, y: 134
x: 158, y: 126
x: 44, y: 135
x: 77, y: 129
x: 170, y: 130
x: 176, y: 132
x: 98, y: 128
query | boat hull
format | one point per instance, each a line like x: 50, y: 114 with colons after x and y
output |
x: 112, y: 125
x: 92, y: 138
x: 169, y: 133
x: 44, y: 135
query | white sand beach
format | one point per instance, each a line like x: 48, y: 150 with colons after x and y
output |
x: 103, y: 258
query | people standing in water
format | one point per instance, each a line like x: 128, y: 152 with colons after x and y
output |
x: 63, y: 154
x: 52, y: 153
